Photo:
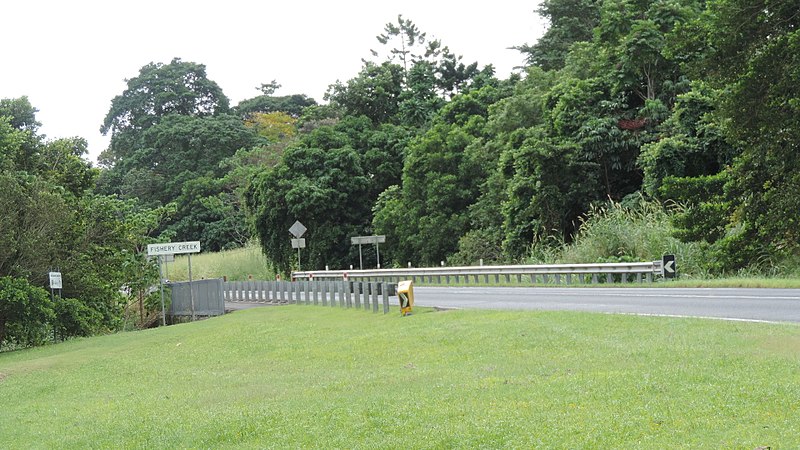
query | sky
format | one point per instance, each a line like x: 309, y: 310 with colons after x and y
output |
x: 71, y: 58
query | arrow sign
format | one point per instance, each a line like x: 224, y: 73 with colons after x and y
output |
x: 668, y: 266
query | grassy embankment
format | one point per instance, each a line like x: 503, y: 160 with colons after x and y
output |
x: 237, y: 264
x: 301, y: 376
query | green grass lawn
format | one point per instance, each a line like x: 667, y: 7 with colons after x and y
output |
x: 303, y: 376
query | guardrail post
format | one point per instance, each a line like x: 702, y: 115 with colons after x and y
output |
x: 594, y: 278
x: 357, y: 293
x: 385, y: 292
x: 374, y: 290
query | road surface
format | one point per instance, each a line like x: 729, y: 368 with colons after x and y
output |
x: 772, y: 305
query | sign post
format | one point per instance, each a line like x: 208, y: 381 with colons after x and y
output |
x: 360, y: 240
x: 298, y: 244
x: 55, y: 283
x: 298, y: 230
x: 171, y: 249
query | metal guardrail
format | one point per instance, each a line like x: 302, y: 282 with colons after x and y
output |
x: 585, y: 273
x: 348, y: 294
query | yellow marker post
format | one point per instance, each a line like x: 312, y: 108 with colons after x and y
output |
x: 405, y: 292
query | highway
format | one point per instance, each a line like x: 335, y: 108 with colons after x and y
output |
x: 769, y: 305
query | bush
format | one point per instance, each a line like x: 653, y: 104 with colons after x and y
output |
x: 642, y: 231
x: 74, y: 318
x: 25, y: 313
x: 478, y: 245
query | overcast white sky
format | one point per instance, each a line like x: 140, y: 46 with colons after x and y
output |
x: 72, y: 57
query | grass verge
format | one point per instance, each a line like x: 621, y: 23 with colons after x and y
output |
x: 314, y: 377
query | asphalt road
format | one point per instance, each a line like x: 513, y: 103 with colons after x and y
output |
x: 771, y: 305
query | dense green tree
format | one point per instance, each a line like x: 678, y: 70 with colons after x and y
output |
x: 374, y: 93
x: 25, y: 312
x: 328, y: 180
x: 19, y: 141
x: 62, y: 162
x: 293, y: 105
x: 160, y: 90
x: 170, y: 126
x: 35, y: 225
x: 570, y: 21
x: 174, y: 150
x: 755, y: 58
x: 444, y: 170
x: 52, y: 220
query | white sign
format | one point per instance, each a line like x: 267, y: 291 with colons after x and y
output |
x: 297, y: 229
x: 173, y: 248
x: 298, y: 243
x: 359, y: 240
x: 55, y: 280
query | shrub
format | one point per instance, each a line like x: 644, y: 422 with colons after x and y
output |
x: 642, y: 231
x: 25, y: 312
x: 74, y: 318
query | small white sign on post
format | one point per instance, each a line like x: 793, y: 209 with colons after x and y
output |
x: 173, y: 248
x: 55, y: 280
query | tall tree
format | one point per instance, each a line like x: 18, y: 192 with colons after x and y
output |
x: 329, y: 179
x: 443, y: 172
x: 171, y: 125
x: 570, y: 21
x: 755, y: 57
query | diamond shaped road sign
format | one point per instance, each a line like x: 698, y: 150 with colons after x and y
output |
x: 298, y: 229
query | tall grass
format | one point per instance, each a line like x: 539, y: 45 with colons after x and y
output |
x: 620, y: 233
x: 236, y: 264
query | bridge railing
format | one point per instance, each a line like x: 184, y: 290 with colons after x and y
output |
x: 547, y: 273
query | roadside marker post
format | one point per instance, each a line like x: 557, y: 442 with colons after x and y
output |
x: 669, y: 268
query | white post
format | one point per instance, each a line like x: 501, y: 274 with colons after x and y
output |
x: 161, y: 284
x: 191, y: 288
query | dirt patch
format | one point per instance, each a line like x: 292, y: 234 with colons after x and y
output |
x: 2, y: 377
